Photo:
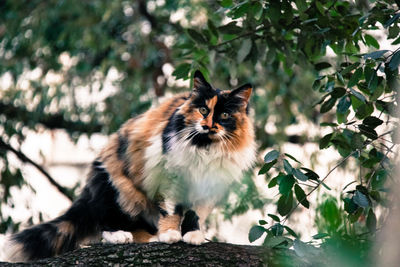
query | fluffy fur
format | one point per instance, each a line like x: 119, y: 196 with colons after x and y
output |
x: 158, y: 178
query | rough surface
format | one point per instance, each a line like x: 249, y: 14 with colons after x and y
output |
x: 158, y: 254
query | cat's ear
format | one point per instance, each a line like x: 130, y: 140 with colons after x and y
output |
x: 243, y: 92
x: 200, y: 83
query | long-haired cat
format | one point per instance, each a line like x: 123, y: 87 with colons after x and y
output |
x: 159, y: 177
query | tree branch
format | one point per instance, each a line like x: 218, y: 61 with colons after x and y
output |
x: 25, y: 159
x: 161, y: 254
x: 50, y: 121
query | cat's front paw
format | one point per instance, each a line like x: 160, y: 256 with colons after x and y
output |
x: 118, y: 237
x: 170, y: 236
x: 194, y: 237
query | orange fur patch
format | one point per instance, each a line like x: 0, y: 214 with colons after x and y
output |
x: 169, y: 222
x: 64, y: 230
x: 141, y: 236
x: 212, y: 102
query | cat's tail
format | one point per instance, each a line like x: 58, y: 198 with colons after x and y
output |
x: 54, y: 237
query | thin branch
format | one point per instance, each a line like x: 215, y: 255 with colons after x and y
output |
x: 25, y: 159
x: 317, y: 186
x: 239, y: 37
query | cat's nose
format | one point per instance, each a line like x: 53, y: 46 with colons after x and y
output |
x: 205, y: 127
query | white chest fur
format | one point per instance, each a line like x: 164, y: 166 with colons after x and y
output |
x: 193, y: 175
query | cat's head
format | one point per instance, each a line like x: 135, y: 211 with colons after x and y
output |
x: 217, y: 117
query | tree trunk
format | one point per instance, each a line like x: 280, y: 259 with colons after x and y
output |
x: 161, y: 254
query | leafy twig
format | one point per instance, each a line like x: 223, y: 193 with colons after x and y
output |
x: 327, y: 175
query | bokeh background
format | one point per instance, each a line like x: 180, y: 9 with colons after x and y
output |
x: 325, y: 77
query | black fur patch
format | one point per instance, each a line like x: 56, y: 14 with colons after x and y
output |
x: 200, y: 139
x: 95, y: 210
x: 163, y: 212
x: 190, y: 222
x: 179, y: 209
x: 37, y: 241
x: 203, y: 95
x: 175, y: 124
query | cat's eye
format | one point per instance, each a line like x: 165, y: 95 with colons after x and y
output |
x: 225, y: 115
x: 203, y: 110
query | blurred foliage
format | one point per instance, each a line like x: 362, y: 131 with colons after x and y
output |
x: 314, y: 59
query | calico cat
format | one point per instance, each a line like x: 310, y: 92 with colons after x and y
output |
x: 159, y: 177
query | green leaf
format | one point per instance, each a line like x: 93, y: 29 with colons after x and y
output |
x: 277, y: 229
x: 320, y: 235
x: 371, y: 221
x: 324, y: 142
x: 288, y: 168
x: 375, y: 54
x: 364, y: 110
x: 230, y: 28
x: 394, y: 61
x: 320, y: 7
x: 358, y: 95
x: 286, y: 184
x: 273, y: 182
x: 274, y: 217
x: 372, y: 122
x: 360, y: 199
x: 371, y: 41
x: 344, y: 104
x: 330, y: 124
x: 322, y: 65
x: 182, y: 71
x: 373, y: 82
x: 196, y: 36
x: 212, y: 28
x: 257, y: 10
x: 271, y: 156
x: 326, y: 186
x: 301, y: 196
x: 393, y: 32
x: 349, y: 205
x: 262, y: 222
x: 301, y: 5
x: 338, y: 92
x: 243, y: 51
x: 368, y: 132
x: 266, y: 167
x: 291, y: 157
x: 299, y: 175
x: 340, y: 78
x: 357, y: 141
x: 290, y: 231
x: 355, y: 78
x: 226, y: 3
x: 316, y: 84
x: 255, y: 233
x: 349, y: 68
x: 326, y: 106
x: 285, y: 204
